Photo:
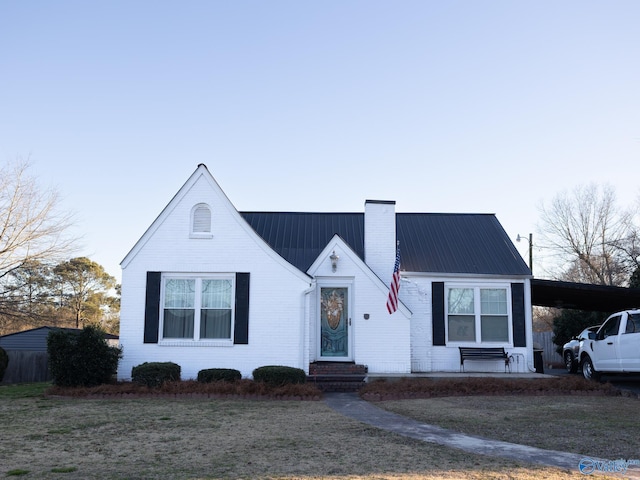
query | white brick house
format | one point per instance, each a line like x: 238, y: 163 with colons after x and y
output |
x: 210, y: 287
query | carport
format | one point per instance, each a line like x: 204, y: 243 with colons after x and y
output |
x: 583, y: 296
x: 578, y: 296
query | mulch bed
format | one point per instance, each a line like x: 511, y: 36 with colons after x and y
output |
x: 447, y: 387
x: 379, y: 390
x: 242, y: 389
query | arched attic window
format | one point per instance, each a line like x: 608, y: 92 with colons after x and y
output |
x: 201, y: 221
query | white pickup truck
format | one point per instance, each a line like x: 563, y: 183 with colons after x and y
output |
x: 614, y: 348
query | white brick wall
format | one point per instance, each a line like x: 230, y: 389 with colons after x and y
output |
x: 380, y: 238
x: 276, y: 304
x: 416, y: 295
x: 415, y: 292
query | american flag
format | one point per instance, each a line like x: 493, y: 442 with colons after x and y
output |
x: 394, y: 288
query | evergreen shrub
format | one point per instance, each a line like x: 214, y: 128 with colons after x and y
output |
x: 277, y: 375
x: 154, y: 374
x: 81, y: 359
x: 4, y: 362
x: 219, y: 374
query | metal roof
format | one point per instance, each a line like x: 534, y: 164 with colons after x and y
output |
x: 429, y: 242
x: 583, y: 296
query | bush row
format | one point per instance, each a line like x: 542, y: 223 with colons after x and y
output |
x: 84, y: 359
x: 154, y: 374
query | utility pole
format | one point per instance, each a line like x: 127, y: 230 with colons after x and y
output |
x: 518, y: 238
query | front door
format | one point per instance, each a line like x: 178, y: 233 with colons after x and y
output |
x: 628, y: 344
x: 335, y: 324
x: 605, y: 346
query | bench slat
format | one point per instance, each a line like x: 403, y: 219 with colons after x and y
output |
x: 483, y: 353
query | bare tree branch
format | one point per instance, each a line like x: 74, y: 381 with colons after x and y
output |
x: 591, y: 233
x: 32, y: 230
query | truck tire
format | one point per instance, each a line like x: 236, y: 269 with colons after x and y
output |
x: 588, y: 371
x: 570, y: 362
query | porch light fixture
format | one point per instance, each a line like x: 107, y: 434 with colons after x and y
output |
x: 334, y: 261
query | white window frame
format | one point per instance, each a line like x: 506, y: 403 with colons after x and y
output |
x: 196, y: 340
x: 192, y: 222
x: 478, y: 313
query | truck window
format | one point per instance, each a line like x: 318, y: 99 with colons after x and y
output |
x: 609, y: 328
x: 633, y: 323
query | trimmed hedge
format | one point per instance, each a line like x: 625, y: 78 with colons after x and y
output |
x: 219, y: 374
x: 4, y: 362
x: 154, y: 374
x: 81, y: 359
x: 277, y: 375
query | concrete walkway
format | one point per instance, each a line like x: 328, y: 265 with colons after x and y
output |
x: 352, y: 406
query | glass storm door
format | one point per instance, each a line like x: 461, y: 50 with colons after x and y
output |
x: 334, y: 323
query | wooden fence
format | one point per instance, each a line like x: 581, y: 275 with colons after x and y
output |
x: 549, y: 354
x: 26, y: 366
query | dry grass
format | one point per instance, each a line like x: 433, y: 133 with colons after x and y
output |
x: 189, y: 438
x: 596, y: 426
x: 562, y: 413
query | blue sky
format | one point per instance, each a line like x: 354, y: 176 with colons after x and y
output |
x: 442, y: 106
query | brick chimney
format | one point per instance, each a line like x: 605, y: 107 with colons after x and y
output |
x: 380, y: 237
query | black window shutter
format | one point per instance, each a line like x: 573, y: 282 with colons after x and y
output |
x: 152, y: 307
x: 518, y: 315
x: 241, y: 331
x: 437, y: 313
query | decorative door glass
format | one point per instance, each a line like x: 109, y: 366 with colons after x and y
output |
x: 334, y: 322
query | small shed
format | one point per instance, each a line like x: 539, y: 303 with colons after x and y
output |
x: 27, y: 351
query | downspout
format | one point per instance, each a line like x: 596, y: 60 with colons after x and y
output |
x: 305, y: 326
x: 531, y: 361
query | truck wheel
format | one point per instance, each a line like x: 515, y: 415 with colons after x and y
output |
x: 588, y: 371
x: 570, y: 362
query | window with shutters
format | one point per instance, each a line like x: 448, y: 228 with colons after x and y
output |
x: 201, y: 221
x: 197, y: 307
x: 478, y: 314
